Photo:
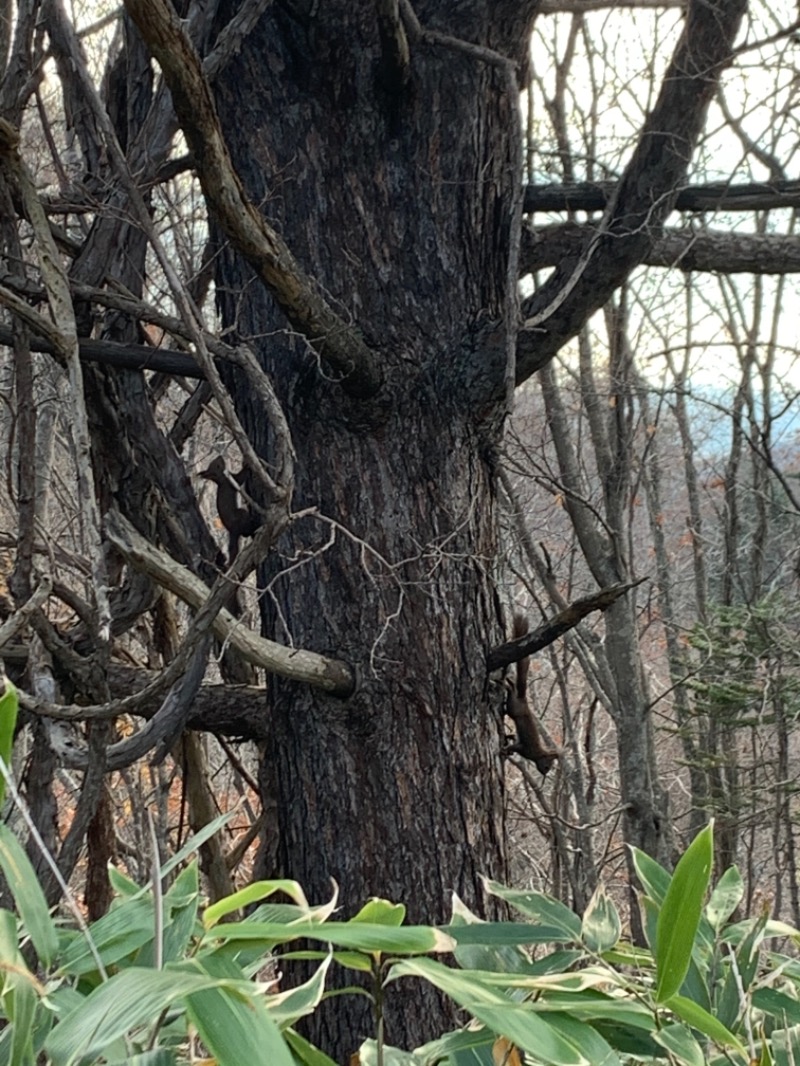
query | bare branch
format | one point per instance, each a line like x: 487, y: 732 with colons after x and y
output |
x: 230, y: 39
x: 514, y: 650
x: 64, y: 336
x: 582, y: 7
x: 131, y: 356
x: 712, y: 196
x: 227, y: 710
x: 166, y: 725
x: 19, y: 619
x: 329, y: 674
x: 689, y: 250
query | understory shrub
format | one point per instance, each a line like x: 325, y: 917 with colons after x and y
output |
x: 161, y: 971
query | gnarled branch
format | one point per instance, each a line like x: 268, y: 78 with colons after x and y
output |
x: 331, y: 675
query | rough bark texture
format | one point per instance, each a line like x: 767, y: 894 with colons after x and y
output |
x: 396, y: 199
x: 392, y: 184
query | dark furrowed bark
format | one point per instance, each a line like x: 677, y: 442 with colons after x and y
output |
x: 395, y: 792
x: 399, y: 207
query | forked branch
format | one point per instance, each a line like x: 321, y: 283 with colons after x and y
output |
x: 646, y: 192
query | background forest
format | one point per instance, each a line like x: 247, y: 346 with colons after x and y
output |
x: 671, y: 424
x: 172, y: 666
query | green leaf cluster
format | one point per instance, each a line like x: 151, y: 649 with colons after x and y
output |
x: 747, y: 662
x: 557, y: 987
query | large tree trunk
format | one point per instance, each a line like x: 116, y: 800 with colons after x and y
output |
x: 397, y: 200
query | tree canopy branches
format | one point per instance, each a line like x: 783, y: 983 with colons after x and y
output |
x: 646, y: 191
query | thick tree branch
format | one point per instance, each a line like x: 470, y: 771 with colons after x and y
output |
x: 329, y: 674
x: 729, y: 253
x: 228, y: 710
x: 582, y: 7
x: 712, y: 196
x: 235, y: 711
x: 646, y: 192
x: 338, y: 343
x: 130, y: 356
x: 531, y: 643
